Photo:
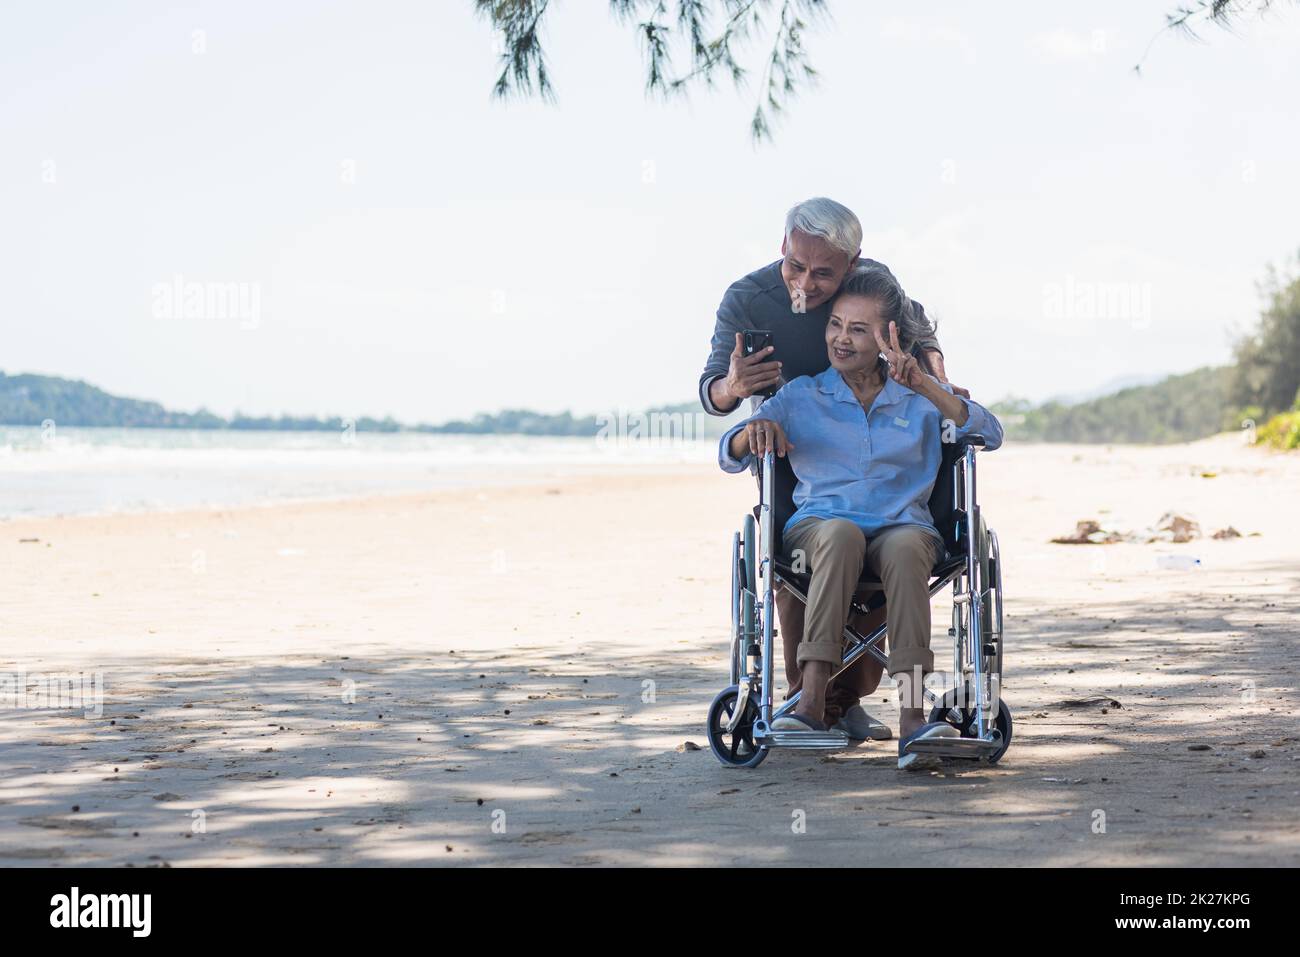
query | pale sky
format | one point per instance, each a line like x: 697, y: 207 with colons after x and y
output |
x: 486, y: 256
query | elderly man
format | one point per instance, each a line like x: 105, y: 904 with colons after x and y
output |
x: 791, y: 299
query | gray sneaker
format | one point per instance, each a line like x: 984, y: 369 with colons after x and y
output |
x: 860, y: 726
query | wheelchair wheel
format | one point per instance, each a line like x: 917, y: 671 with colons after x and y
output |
x: 735, y: 748
x: 984, y: 556
x: 963, y: 719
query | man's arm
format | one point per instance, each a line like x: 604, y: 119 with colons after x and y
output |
x: 714, y: 395
x: 934, y: 359
x: 926, y: 348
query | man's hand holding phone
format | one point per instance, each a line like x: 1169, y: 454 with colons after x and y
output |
x: 752, y: 374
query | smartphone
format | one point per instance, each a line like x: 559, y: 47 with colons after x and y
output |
x: 756, y: 341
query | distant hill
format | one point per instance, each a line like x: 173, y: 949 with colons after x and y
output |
x: 1175, y: 409
x: 1178, y: 408
x: 1109, y: 387
x: 32, y: 399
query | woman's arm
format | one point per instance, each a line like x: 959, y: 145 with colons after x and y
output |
x: 974, y: 420
x: 763, y: 430
x: 757, y: 437
x: 739, y: 446
x: 949, y: 405
x: 904, y: 369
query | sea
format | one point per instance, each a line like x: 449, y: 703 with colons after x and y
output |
x: 83, y: 471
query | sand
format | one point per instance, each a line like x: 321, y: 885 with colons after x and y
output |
x: 511, y: 676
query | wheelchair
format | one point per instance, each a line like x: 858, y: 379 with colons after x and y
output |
x: 740, y: 718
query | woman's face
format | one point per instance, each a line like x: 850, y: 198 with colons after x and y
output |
x: 850, y: 341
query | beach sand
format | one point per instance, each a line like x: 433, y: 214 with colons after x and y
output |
x: 511, y: 676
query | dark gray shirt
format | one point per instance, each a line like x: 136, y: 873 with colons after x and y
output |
x: 761, y: 301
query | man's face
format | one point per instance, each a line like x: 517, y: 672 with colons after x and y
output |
x: 812, y: 269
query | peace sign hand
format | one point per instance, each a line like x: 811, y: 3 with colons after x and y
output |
x: 903, y: 367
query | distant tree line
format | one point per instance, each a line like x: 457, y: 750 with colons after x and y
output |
x: 1177, y: 409
x: 1260, y: 391
x: 34, y: 399
x: 520, y: 422
x: 1265, y: 383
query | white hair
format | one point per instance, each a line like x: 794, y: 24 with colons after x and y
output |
x: 828, y: 220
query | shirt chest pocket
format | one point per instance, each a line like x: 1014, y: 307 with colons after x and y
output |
x: 898, y: 437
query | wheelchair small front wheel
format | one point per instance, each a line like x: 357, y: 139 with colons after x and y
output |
x: 963, y: 719
x: 734, y: 748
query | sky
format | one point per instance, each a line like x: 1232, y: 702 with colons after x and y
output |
x: 398, y: 243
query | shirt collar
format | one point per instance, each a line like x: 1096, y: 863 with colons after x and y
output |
x: 833, y: 384
x: 894, y: 393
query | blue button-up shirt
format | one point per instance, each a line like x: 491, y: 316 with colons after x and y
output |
x: 876, y: 469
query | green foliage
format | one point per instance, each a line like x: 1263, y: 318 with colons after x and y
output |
x: 704, y: 34
x: 1242, y: 418
x: 1281, y: 431
x: 31, y: 399
x: 1267, y: 373
x: 1185, y: 17
x: 1264, y: 381
x: 707, y: 33
x: 519, y: 422
x: 290, y: 423
x: 1177, y: 409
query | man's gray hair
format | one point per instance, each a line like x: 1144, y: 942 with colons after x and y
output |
x: 878, y: 283
x: 828, y: 220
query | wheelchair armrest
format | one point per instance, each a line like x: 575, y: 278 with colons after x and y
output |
x: 973, y: 440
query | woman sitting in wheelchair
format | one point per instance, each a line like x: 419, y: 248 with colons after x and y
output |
x: 864, y: 439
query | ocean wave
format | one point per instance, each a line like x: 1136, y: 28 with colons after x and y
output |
x: 83, y: 471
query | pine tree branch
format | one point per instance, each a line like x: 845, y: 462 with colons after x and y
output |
x: 667, y: 30
x: 1185, y: 19
x: 523, y: 62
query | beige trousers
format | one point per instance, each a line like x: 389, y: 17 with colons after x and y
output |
x: 834, y: 550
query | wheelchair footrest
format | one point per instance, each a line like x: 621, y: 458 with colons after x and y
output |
x: 806, y: 739
x: 970, y: 748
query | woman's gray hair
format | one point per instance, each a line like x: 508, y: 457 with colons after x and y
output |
x: 878, y: 283
x: 828, y: 220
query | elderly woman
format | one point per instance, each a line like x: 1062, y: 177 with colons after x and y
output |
x: 864, y: 439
